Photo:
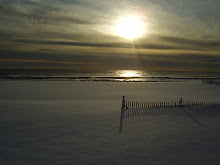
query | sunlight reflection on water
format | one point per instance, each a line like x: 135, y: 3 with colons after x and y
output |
x: 129, y: 73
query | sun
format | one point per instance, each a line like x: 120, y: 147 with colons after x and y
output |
x: 130, y: 27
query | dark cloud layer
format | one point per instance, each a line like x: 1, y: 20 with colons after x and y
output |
x: 198, y: 43
x: 144, y: 61
x: 178, y: 43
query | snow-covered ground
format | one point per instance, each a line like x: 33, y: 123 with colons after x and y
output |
x: 64, y: 122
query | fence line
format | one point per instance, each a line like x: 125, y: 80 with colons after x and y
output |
x: 131, y: 109
x: 127, y: 104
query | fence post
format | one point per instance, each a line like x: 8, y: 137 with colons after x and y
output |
x: 181, y: 102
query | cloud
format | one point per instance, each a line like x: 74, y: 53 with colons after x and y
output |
x: 171, y: 43
x: 54, y: 32
x: 45, y: 61
x: 46, y: 50
x: 43, y: 19
x: 85, y: 44
x: 197, y: 43
x: 11, y: 59
x: 40, y: 15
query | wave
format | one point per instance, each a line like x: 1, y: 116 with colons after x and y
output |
x: 110, y: 78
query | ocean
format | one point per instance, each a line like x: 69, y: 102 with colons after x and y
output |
x: 111, y: 75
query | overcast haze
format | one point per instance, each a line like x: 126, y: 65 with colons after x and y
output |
x: 181, y: 35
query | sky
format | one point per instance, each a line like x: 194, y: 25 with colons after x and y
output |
x: 179, y: 35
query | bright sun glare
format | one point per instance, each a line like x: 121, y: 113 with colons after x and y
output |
x: 130, y: 27
x: 129, y: 73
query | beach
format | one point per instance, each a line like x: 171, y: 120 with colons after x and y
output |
x: 93, y: 82
x: 77, y: 122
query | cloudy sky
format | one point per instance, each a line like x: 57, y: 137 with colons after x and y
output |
x: 182, y: 35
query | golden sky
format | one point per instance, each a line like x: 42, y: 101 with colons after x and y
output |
x: 100, y: 35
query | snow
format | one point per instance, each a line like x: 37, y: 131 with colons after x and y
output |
x: 64, y: 122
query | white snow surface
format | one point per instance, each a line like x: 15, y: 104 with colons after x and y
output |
x: 64, y: 122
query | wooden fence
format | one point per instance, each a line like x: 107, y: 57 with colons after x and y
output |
x: 127, y: 104
x: 131, y: 109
